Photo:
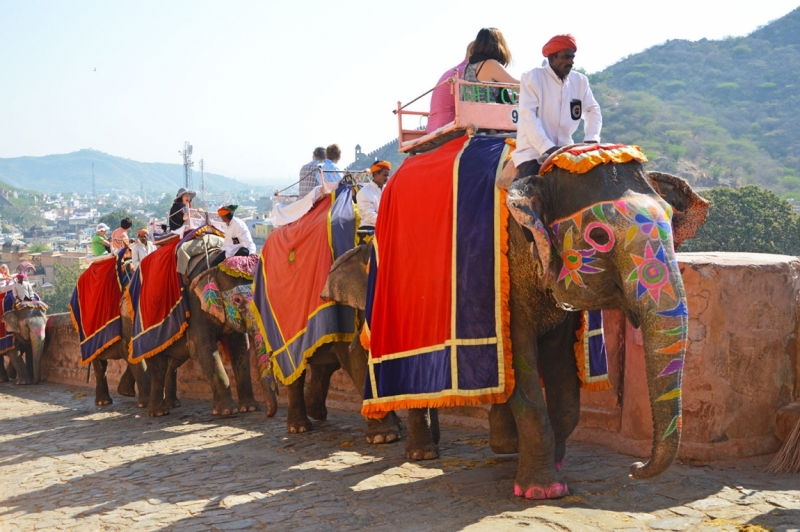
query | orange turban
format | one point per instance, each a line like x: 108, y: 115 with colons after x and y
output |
x: 141, y: 232
x: 559, y: 43
x: 380, y: 165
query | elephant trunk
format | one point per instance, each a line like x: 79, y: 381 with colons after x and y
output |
x: 664, y: 324
x: 36, y: 329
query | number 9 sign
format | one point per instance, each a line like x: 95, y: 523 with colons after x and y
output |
x: 514, y: 116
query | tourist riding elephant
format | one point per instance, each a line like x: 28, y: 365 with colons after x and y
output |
x: 28, y: 326
x: 214, y: 299
x: 602, y: 239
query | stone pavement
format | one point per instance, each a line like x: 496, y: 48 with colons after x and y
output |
x: 68, y: 465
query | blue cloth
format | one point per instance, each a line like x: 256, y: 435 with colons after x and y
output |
x: 330, y: 172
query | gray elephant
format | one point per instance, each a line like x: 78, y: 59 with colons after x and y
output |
x: 216, y: 300
x: 27, y: 323
x: 602, y: 239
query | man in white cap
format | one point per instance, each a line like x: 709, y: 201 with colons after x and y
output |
x: 100, y: 245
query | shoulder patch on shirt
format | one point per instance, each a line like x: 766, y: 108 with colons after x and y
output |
x: 576, y: 109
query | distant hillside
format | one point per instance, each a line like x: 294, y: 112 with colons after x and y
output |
x: 72, y: 172
x: 713, y: 111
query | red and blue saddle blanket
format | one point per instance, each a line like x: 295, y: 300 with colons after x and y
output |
x: 437, y: 310
x: 95, y: 306
x: 292, y: 317
x: 6, y: 338
x: 157, y: 300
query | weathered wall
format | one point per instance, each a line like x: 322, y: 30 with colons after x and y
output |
x: 739, y: 383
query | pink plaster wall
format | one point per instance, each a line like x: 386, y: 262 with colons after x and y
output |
x: 740, y: 393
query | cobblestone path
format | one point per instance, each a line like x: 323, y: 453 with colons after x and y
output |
x: 68, y: 465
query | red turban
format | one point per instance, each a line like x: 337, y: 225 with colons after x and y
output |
x: 558, y: 43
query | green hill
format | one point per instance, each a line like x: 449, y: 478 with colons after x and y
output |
x: 72, y: 172
x: 713, y: 111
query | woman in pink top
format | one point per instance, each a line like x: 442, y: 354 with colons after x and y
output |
x: 119, y: 238
x: 443, y: 106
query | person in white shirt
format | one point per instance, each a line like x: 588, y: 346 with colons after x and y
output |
x: 238, y: 241
x: 23, y: 290
x: 141, y: 248
x: 369, y: 197
x: 552, y: 102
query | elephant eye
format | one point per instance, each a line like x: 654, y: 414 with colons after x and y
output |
x: 599, y: 236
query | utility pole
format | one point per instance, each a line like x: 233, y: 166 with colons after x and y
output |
x: 202, y: 180
x: 186, y: 153
x: 94, y: 193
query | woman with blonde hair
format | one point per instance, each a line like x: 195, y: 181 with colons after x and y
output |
x: 490, y: 56
x: 5, y: 275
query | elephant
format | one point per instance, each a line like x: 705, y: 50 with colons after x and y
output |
x: 28, y: 325
x: 602, y: 239
x: 134, y: 373
x: 215, y: 301
x: 228, y: 303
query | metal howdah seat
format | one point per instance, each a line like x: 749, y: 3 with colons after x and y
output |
x: 473, y: 115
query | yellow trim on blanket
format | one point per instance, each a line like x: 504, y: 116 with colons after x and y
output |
x: 333, y: 337
x: 329, y: 225
x: 453, y: 272
x: 580, y: 164
x: 235, y: 273
x: 582, y: 335
x: 102, y: 348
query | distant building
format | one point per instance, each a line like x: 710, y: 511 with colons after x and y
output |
x: 387, y: 152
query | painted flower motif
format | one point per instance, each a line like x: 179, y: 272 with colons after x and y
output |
x: 652, y: 273
x: 651, y: 222
x: 576, y: 261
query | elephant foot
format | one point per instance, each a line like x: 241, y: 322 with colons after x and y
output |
x: 126, y: 391
x: 554, y: 491
x: 248, y: 405
x: 174, y: 403
x: 317, y: 410
x: 272, y: 405
x: 298, y: 426
x: 103, y: 401
x: 23, y: 382
x: 158, y: 411
x: 504, y: 446
x: 142, y: 403
x: 386, y: 430
x: 428, y: 451
x: 225, y: 408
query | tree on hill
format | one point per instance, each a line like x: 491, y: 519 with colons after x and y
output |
x: 65, y: 280
x: 747, y: 219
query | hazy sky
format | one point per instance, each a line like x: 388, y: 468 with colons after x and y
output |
x: 255, y: 86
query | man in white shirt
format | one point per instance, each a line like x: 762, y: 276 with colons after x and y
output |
x: 369, y: 198
x: 141, y: 248
x: 552, y: 102
x: 23, y: 290
x: 238, y: 241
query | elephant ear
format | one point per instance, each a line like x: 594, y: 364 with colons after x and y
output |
x: 689, y: 209
x: 11, y: 321
x: 524, y: 205
x: 347, y: 280
x: 210, y: 298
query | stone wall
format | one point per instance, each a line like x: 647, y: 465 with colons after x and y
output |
x: 740, y: 384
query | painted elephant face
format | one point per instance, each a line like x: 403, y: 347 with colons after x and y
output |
x: 231, y: 307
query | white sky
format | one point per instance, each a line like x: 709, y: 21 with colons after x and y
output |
x: 255, y: 86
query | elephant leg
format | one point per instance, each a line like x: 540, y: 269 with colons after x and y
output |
x: 503, y: 436
x: 202, y: 348
x: 3, y: 372
x: 562, y: 386
x: 23, y: 376
x: 296, y: 420
x: 240, y: 360
x: 316, y: 390
x: 127, y: 384
x: 537, y: 477
x: 421, y: 443
x: 354, y: 362
x: 171, y: 382
x: 157, y: 366
x: 269, y: 387
x: 141, y: 376
x: 101, y: 394
x: 12, y: 371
